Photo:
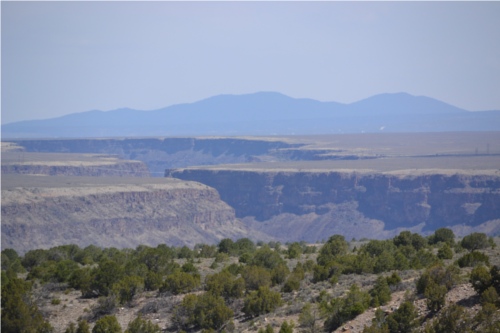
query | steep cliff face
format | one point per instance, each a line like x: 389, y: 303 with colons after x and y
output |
x: 40, y: 212
x: 424, y: 201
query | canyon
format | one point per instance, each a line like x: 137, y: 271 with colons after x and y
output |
x: 305, y: 205
x: 183, y: 191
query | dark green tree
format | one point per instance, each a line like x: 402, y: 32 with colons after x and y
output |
x: 185, y: 253
x: 279, y: 274
x: 380, y: 293
x: 83, y: 327
x: 227, y: 246
x: 379, y: 323
x: 294, y: 250
x: 452, y: 319
x: 292, y: 283
x: 105, y: 276
x: 404, y: 319
x: 445, y: 252
x: 107, y: 324
x: 485, y: 320
x: 244, y: 245
x: 261, y: 301
x: 443, y: 235
x: 333, y: 248
x: 287, y: 327
x: 435, y: 295
x: 127, y: 288
x: 309, y: 318
x: 473, y: 259
x: 206, y: 311
x: 490, y: 296
x: 71, y: 328
x: 152, y: 281
x: 19, y: 311
x: 180, y: 282
x: 34, y: 258
x: 480, y: 278
x: 205, y: 251
x: 139, y: 325
x: 268, y: 329
x: 225, y: 284
x: 256, y: 277
x: 475, y: 241
x: 267, y: 258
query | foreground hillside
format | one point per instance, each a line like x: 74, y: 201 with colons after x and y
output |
x: 45, y: 211
x: 405, y: 284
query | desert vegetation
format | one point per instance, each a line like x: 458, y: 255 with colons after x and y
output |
x: 409, y: 283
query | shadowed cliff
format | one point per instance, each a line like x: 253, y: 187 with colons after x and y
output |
x: 309, y: 204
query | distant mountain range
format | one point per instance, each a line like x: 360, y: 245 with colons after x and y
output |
x: 264, y: 113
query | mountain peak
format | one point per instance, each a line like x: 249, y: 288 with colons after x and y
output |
x: 265, y: 113
x: 403, y: 103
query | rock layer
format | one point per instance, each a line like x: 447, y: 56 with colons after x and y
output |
x: 325, y: 200
x: 41, y: 212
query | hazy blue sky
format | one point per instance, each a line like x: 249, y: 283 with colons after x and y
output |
x: 66, y: 57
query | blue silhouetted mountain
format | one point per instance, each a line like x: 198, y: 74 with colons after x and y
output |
x: 264, y: 113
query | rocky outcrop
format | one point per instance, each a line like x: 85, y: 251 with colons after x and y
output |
x: 15, y: 160
x: 307, y: 201
x: 41, y: 212
x: 118, y: 169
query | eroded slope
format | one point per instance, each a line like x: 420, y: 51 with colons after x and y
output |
x: 43, y: 211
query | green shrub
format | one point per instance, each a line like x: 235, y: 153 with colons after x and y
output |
x: 480, y: 278
x: 127, y: 288
x: 341, y: 310
x: 256, y: 277
x: 19, y: 311
x: 380, y: 293
x: 292, y: 283
x: 261, y: 301
x: 225, y: 285
x: 267, y: 258
x: 279, y: 274
x: 180, y: 282
x: 107, y: 324
x: 206, y: 311
x: 404, y: 319
x: 435, y: 295
x: 473, y: 259
x: 475, y: 241
x: 334, y: 247
x: 445, y: 252
x: 139, y: 325
x: 443, y: 235
x: 287, y: 327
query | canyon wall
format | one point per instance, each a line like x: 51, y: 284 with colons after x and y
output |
x: 305, y: 204
x: 162, y: 153
x: 41, y: 212
x: 117, y: 169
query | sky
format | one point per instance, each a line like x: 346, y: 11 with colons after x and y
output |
x: 59, y: 58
